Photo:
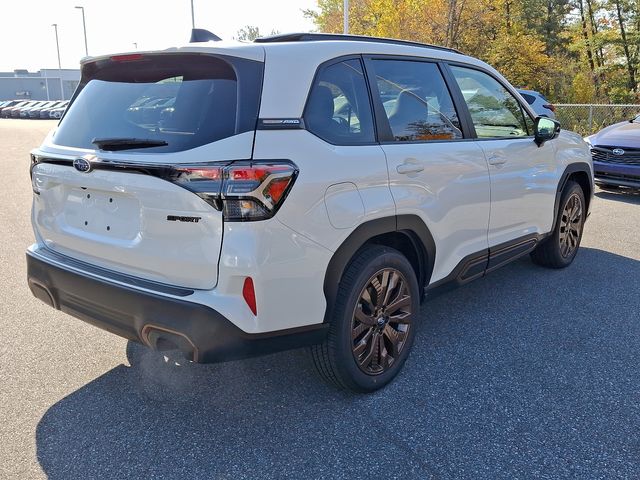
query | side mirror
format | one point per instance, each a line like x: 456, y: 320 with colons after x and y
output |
x: 545, y: 129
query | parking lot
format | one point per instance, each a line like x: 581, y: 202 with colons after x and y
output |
x: 527, y: 373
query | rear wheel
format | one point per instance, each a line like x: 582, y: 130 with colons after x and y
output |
x: 373, y: 323
x: 559, y: 250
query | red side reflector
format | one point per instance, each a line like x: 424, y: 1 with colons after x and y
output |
x: 127, y: 58
x: 249, y: 295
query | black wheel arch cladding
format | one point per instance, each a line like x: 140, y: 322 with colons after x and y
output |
x: 410, y: 226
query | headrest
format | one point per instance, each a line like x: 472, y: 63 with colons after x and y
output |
x: 409, y: 106
x: 321, y: 103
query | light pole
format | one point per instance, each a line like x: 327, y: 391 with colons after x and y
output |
x: 55, y: 27
x: 84, y: 27
x: 46, y: 83
x: 193, y: 17
x: 345, y: 17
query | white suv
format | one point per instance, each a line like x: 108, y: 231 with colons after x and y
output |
x: 230, y: 199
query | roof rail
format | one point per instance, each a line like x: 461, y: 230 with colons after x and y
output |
x: 313, y: 37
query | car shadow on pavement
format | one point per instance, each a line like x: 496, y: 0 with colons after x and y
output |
x: 626, y: 196
x: 527, y: 373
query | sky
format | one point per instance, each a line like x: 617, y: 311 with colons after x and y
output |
x: 28, y: 39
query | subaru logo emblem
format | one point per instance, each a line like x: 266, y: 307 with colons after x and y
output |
x: 618, y: 151
x: 82, y: 165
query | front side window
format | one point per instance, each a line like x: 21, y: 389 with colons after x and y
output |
x: 495, y: 112
x: 338, y: 109
x: 416, y: 101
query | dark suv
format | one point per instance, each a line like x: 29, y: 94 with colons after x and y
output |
x: 616, y: 155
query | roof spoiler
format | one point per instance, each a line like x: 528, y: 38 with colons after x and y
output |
x: 199, y: 35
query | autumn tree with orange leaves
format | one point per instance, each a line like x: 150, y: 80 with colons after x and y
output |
x: 587, y: 50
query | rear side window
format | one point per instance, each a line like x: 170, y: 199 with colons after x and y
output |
x: 338, y: 109
x: 185, y: 100
x: 416, y: 101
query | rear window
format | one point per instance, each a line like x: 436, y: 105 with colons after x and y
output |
x: 184, y: 100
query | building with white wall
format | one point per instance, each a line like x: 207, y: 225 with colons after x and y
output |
x: 46, y: 84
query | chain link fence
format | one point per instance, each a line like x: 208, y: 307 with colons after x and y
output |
x: 587, y: 119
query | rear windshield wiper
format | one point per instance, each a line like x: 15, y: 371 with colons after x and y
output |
x: 115, y: 144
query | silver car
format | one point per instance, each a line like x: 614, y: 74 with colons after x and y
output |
x: 539, y: 104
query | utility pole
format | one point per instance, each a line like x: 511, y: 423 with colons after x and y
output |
x: 345, y: 15
x: 84, y: 27
x: 55, y: 27
x: 193, y: 17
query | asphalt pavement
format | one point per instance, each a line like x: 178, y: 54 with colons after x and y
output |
x: 527, y: 373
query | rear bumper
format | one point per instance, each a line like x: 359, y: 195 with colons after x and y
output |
x: 157, y: 320
x: 617, y: 174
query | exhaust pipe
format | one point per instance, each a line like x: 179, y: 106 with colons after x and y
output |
x: 162, y: 339
x: 42, y: 294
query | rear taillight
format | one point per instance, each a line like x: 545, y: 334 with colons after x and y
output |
x: 550, y: 106
x: 203, y: 180
x: 244, y: 191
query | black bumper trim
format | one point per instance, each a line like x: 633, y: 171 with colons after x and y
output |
x: 111, y: 275
x: 127, y: 311
x: 617, y: 180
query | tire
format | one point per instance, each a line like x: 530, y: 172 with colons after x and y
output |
x: 561, y: 247
x: 376, y: 315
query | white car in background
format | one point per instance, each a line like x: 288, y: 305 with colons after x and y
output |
x: 57, y: 112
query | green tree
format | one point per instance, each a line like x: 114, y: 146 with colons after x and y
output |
x: 548, y: 20
x: 529, y: 67
x: 250, y: 33
x: 629, y: 40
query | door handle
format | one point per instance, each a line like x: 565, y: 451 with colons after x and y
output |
x: 405, y: 168
x: 497, y: 160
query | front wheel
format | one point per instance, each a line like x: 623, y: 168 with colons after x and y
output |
x: 373, y: 323
x: 561, y: 247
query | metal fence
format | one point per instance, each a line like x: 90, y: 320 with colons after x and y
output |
x: 587, y: 119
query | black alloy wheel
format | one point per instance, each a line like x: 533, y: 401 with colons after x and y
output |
x: 373, y: 321
x: 561, y: 246
x: 571, y: 225
x: 381, y: 321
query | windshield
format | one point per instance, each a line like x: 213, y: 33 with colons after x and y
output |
x: 178, y: 102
